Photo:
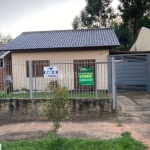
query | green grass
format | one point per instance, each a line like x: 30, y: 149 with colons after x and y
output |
x: 49, y: 95
x: 49, y: 143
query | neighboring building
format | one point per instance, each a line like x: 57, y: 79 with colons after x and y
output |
x: 5, y: 56
x: 51, y: 48
x: 142, y: 43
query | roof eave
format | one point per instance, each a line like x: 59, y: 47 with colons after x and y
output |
x: 57, y: 48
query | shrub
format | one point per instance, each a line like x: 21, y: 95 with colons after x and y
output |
x: 53, y: 84
x: 56, y: 109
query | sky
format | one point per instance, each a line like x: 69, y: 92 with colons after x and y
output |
x: 17, y: 16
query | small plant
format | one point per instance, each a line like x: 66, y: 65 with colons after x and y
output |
x: 4, y: 92
x: 118, y: 121
x: 16, y: 90
x: 53, y: 84
x: 25, y: 89
x: 56, y: 109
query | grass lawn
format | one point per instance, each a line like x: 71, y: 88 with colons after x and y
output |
x: 49, y: 95
x: 49, y: 143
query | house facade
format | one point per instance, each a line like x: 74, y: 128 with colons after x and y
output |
x: 142, y: 43
x: 67, y: 50
x: 5, y: 56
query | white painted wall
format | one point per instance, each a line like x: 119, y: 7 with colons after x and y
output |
x: 143, y: 41
x: 19, y: 67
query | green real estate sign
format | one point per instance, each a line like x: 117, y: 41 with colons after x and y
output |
x: 85, y: 75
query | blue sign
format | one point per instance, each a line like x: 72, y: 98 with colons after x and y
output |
x: 50, y: 72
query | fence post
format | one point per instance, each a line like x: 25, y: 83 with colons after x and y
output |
x: 96, y: 80
x: 148, y: 72
x: 114, y: 85
x: 30, y: 79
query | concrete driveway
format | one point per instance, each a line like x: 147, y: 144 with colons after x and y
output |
x: 142, y: 99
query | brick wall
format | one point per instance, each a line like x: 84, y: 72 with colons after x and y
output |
x: 1, y: 79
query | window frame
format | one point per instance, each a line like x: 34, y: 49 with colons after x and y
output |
x: 37, y: 67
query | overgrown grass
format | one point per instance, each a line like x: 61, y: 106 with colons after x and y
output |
x: 49, y: 143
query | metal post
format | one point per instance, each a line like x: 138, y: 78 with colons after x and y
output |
x: 114, y: 85
x: 35, y: 75
x: 30, y: 79
x: 123, y: 71
x: 148, y: 72
x: 4, y: 73
x: 96, y: 80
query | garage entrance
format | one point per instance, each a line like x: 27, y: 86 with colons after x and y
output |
x: 132, y: 72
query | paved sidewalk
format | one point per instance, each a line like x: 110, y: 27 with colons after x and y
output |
x: 127, y: 104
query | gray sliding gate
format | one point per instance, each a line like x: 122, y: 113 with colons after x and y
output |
x: 132, y: 72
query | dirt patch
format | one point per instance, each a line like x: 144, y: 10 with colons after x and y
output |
x: 82, y: 129
x: 23, y: 136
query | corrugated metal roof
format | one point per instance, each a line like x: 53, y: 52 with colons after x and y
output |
x: 1, y: 45
x: 63, y: 39
x: 3, y: 53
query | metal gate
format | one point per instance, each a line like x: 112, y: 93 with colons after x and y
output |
x: 132, y: 72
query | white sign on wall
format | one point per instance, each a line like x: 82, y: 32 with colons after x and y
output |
x: 8, y: 79
x: 50, y: 72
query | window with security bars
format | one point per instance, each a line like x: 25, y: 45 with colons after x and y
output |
x: 37, y: 67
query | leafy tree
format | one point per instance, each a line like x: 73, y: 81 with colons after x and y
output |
x: 144, y: 22
x: 4, y: 39
x: 56, y: 109
x: 77, y: 23
x: 134, y: 14
x: 96, y: 14
x: 123, y: 35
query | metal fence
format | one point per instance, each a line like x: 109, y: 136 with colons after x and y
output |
x: 132, y: 72
x: 31, y: 79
